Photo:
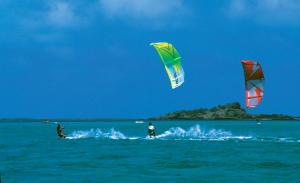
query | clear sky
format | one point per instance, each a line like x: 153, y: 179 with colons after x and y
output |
x: 71, y: 58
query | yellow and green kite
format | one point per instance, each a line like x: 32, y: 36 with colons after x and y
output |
x: 172, y: 61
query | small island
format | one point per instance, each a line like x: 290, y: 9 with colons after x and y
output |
x: 231, y: 111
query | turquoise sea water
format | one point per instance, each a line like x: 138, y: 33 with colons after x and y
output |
x: 198, y: 151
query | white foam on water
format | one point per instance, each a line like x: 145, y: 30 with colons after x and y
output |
x: 196, y: 133
x: 276, y: 139
x: 97, y: 133
x: 177, y: 133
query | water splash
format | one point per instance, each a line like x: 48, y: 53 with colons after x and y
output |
x: 97, y: 133
x: 178, y: 133
x: 196, y: 133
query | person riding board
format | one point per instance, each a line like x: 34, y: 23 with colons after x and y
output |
x: 60, y: 132
x: 151, y: 130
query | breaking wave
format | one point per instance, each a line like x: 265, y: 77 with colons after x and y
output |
x: 177, y: 133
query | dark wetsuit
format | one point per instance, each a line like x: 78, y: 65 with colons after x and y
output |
x: 151, y: 131
x: 60, y: 132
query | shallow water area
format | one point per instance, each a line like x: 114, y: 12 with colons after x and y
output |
x: 183, y: 151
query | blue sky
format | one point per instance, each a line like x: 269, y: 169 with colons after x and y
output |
x: 64, y: 58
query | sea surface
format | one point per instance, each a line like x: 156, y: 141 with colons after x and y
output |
x: 184, y: 151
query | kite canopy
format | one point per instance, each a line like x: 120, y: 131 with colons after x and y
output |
x: 254, y: 81
x: 172, y: 61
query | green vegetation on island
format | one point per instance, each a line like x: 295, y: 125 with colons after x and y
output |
x: 232, y: 111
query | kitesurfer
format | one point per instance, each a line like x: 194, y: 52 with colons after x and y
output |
x: 151, y: 130
x: 60, y: 132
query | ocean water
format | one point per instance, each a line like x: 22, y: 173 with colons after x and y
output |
x: 184, y: 151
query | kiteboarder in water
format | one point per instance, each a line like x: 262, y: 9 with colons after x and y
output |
x: 151, y: 130
x: 60, y: 132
